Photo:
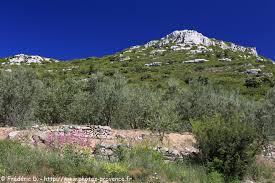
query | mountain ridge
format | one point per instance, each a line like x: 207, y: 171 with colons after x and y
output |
x: 178, y: 40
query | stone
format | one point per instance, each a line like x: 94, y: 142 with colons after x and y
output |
x: 13, y: 135
x: 225, y: 60
x: 123, y: 59
x: 108, y: 152
x: 41, y: 136
x: 105, y: 128
x: 35, y: 126
x: 195, y: 61
x: 259, y: 59
x: 174, y: 152
x: 189, y: 151
x: 170, y: 158
x: 153, y: 64
x: 267, y: 74
x: 43, y: 128
x: 103, y: 145
x: 253, y: 71
x: 248, y: 181
x: 8, y: 70
x: 158, y: 51
x: 163, y: 150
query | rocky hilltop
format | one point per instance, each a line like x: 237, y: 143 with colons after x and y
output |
x: 27, y: 59
x: 188, y: 39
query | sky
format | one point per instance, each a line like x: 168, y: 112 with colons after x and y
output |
x: 70, y: 29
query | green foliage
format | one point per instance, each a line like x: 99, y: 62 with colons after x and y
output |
x: 140, y: 107
x: 215, y: 177
x: 107, y: 98
x: 147, y: 165
x: 142, y: 164
x: 164, y: 118
x: 252, y: 82
x: 226, y: 146
x: 207, y: 100
x: 114, y: 169
x: 2, y: 170
x: 266, y: 114
x: 54, y: 101
x: 18, y: 93
x: 261, y: 172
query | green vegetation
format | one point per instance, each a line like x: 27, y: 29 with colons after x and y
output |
x: 141, y: 164
x: 231, y: 113
x: 230, y: 128
x: 227, y: 146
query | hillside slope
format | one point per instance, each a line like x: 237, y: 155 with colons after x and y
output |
x: 184, y: 56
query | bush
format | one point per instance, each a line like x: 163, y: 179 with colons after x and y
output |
x: 139, y: 107
x: 145, y: 76
x: 2, y: 170
x: 208, y: 100
x: 107, y: 98
x: 215, y: 177
x: 252, y: 83
x: 114, y: 169
x: 19, y: 91
x: 164, y: 118
x: 56, y: 97
x: 109, y: 73
x: 266, y: 115
x: 228, y: 147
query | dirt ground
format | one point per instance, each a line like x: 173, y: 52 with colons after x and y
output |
x: 4, y: 132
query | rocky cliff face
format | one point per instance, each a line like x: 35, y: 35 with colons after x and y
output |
x: 27, y: 59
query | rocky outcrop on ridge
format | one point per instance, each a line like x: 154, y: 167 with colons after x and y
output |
x: 27, y: 59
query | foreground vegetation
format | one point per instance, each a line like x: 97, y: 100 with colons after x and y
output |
x: 230, y: 128
x: 140, y: 164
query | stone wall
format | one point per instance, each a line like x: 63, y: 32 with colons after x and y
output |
x: 110, y: 152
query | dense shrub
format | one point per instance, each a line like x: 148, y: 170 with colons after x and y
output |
x: 111, y: 101
x: 252, y: 82
x: 266, y: 116
x: 55, y: 99
x: 207, y: 100
x: 164, y: 118
x: 139, y: 108
x: 19, y: 91
x: 228, y: 147
x: 107, y: 98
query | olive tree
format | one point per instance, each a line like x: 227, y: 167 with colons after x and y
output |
x: 207, y: 100
x: 164, y: 118
x: 19, y: 90
x: 53, y: 104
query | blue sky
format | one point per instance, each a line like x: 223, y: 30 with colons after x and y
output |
x: 67, y: 29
